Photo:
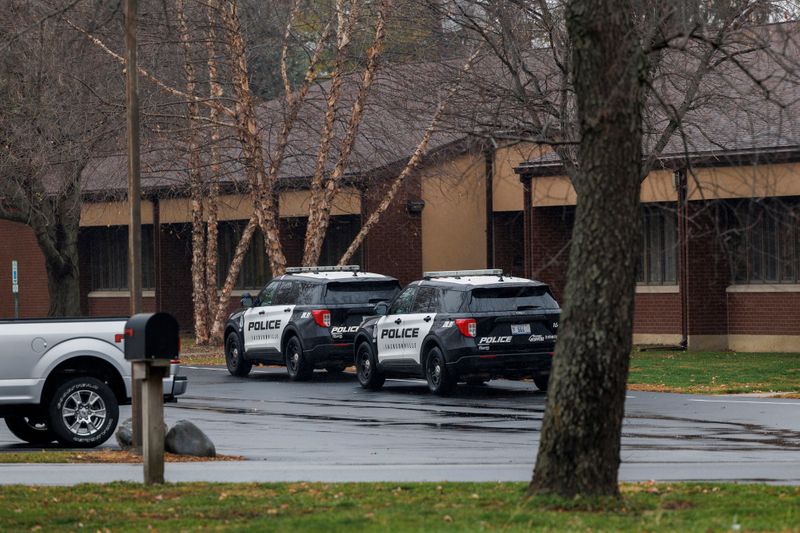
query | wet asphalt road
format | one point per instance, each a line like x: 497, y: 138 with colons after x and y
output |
x: 331, y: 429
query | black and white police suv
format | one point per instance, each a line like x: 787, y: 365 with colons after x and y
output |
x: 471, y: 325
x: 305, y: 319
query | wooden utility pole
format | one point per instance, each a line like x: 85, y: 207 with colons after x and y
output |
x: 134, y: 198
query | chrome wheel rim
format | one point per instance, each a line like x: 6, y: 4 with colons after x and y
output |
x: 84, y: 413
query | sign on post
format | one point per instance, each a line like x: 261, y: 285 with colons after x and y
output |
x: 15, y: 286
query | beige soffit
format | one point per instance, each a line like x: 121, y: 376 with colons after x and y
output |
x: 112, y: 213
x: 704, y: 184
x: 231, y: 207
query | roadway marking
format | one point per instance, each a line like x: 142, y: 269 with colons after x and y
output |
x: 746, y: 401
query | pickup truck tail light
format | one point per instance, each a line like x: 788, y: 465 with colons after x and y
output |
x: 322, y: 317
x: 467, y: 326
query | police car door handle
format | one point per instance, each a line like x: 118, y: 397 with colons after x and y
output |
x: 287, y: 309
x: 427, y: 319
x: 262, y: 312
x: 397, y: 321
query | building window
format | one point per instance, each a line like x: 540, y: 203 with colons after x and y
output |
x: 659, y: 260
x: 763, y: 240
x: 108, y: 258
x: 255, y: 271
x: 341, y: 232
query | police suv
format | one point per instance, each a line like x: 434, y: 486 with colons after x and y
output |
x: 305, y: 319
x: 471, y: 325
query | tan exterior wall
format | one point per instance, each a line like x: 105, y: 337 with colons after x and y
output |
x: 506, y: 187
x: 454, y: 218
x: 231, y: 207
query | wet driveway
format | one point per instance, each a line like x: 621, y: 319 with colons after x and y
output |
x: 332, y: 429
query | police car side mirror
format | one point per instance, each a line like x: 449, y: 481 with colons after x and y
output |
x: 382, y: 308
x: 247, y: 300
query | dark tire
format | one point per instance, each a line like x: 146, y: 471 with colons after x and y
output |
x: 83, y: 412
x: 298, y: 368
x: 335, y: 369
x: 439, y: 380
x: 369, y: 375
x: 31, y: 429
x: 234, y: 358
x: 541, y: 382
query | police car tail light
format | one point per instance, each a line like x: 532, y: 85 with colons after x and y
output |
x: 322, y: 317
x: 467, y: 326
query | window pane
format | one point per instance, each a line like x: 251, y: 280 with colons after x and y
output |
x: 670, y: 248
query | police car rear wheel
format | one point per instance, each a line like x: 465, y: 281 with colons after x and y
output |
x: 366, y: 368
x: 541, y: 382
x: 296, y: 365
x: 439, y: 380
x: 234, y: 358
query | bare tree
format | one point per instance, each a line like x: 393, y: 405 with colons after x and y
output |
x: 51, y: 122
x: 609, y: 85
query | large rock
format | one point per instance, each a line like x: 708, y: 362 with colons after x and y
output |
x: 187, y: 439
x: 124, y: 433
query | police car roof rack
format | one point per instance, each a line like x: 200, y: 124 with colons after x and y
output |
x: 355, y: 269
x: 464, y: 273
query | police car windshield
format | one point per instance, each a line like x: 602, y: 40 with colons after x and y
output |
x: 361, y: 292
x: 502, y: 299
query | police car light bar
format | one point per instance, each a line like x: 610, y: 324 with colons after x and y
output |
x: 464, y: 273
x: 315, y: 269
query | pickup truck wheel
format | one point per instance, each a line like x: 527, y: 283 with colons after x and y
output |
x: 369, y: 375
x: 234, y: 358
x: 439, y: 380
x: 31, y: 429
x: 298, y: 368
x: 83, y: 412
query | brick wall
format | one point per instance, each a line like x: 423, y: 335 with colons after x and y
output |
x: 762, y: 313
x: 709, y: 273
x: 17, y: 242
x: 394, y: 245
x: 657, y: 313
x: 508, y: 245
x: 114, y: 307
x: 551, y: 232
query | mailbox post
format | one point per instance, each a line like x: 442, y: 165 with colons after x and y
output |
x: 151, y: 342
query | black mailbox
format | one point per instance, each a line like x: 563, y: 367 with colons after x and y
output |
x: 151, y: 336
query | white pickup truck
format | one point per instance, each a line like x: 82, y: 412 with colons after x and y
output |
x: 64, y: 379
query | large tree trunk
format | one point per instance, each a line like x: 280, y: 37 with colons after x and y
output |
x: 579, y: 451
x: 63, y: 288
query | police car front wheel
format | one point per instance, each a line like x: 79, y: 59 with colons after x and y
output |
x: 234, y: 358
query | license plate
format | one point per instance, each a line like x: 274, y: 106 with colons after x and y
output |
x: 520, y: 329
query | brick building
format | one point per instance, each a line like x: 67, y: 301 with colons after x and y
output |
x: 721, y: 212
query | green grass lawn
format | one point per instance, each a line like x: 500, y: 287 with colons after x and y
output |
x: 715, y: 372
x: 394, y: 507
